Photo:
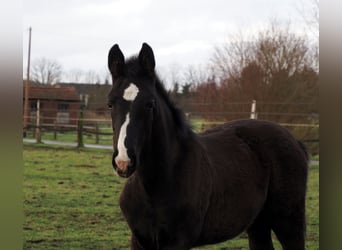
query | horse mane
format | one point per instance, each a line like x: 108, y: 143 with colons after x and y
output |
x: 183, y: 128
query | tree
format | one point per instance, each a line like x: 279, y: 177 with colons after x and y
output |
x: 275, y: 67
x: 46, y: 71
x: 309, y: 12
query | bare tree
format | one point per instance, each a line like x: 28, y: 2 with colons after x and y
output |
x: 275, y: 67
x: 46, y: 71
x: 231, y: 57
x: 309, y: 11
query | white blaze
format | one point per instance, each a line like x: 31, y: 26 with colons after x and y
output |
x: 130, y: 94
x: 122, y: 156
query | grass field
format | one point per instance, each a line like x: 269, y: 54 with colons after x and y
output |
x: 71, y: 202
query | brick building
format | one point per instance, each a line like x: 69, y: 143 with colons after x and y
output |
x: 93, y: 95
x: 58, y: 104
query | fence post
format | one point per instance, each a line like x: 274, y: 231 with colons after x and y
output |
x: 55, y: 131
x: 80, y: 143
x: 253, y: 108
x: 97, y: 136
x: 38, y: 134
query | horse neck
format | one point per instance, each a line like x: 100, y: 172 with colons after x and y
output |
x: 163, y: 150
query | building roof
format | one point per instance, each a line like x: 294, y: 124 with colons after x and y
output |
x: 97, y: 93
x: 86, y: 88
x: 48, y: 92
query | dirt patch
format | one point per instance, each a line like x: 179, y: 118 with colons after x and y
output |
x: 35, y: 241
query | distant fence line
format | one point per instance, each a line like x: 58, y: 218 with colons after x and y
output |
x: 282, y: 124
x: 95, y: 127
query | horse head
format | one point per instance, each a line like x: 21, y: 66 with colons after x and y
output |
x: 132, y: 101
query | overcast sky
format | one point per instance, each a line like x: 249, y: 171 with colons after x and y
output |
x: 79, y: 33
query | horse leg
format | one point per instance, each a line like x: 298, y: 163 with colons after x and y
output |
x: 287, y: 208
x: 259, y: 234
x: 290, y: 231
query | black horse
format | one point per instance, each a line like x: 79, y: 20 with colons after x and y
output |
x: 185, y: 190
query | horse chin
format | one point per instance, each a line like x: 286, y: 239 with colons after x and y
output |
x: 124, y: 174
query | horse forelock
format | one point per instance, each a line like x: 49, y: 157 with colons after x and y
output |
x: 133, y: 67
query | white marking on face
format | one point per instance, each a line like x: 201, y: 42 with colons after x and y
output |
x: 122, y: 155
x: 130, y: 94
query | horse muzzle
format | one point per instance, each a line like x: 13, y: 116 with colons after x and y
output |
x: 123, y: 168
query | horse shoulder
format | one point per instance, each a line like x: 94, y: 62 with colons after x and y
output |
x: 132, y: 199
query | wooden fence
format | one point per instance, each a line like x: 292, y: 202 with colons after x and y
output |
x: 99, y: 131
x: 95, y: 132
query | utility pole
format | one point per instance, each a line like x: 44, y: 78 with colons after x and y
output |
x: 26, y: 100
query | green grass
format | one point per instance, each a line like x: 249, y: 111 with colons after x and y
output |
x: 71, y: 202
x: 315, y: 157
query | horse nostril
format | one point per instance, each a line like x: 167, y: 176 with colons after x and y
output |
x: 122, y: 165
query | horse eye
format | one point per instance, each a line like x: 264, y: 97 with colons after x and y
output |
x: 151, y: 104
x: 109, y: 106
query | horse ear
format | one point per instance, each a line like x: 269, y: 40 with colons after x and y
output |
x: 146, y: 58
x: 116, y: 61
